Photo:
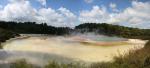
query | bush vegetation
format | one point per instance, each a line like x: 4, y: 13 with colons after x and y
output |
x: 5, y: 35
x: 114, y: 30
x: 106, y: 29
x: 21, y: 64
x: 134, y: 59
x: 34, y: 28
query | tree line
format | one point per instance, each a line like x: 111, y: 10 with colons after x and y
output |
x: 114, y: 30
x: 103, y: 28
x: 34, y: 28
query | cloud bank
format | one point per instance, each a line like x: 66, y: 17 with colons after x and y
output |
x: 88, y: 1
x: 138, y: 15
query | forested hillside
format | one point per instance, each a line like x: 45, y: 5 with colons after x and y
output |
x: 34, y: 28
x: 114, y: 30
x: 106, y: 29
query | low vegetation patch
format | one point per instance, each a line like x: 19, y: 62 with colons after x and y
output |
x: 5, y: 35
x: 21, y: 64
x: 133, y: 59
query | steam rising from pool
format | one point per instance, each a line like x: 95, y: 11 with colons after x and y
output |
x: 87, y: 48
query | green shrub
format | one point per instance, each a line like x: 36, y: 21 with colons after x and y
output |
x: 64, y: 65
x: 1, y: 46
x: 21, y: 64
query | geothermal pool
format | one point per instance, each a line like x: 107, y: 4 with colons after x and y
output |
x: 86, y: 48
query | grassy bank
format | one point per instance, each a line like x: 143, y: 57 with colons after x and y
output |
x: 134, y: 59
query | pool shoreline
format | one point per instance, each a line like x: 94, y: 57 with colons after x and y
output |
x: 55, y: 45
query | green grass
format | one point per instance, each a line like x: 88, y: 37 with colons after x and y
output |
x: 53, y: 64
x: 136, y: 59
x: 1, y: 46
x: 21, y: 64
x: 61, y: 65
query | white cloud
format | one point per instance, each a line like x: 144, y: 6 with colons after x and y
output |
x: 136, y: 15
x: 113, y: 6
x: 60, y: 17
x: 43, y: 2
x: 88, y: 1
x: 17, y: 10
x: 13, y: 1
x: 50, y: 16
x: 96, y: 15
x: 69, y: 17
